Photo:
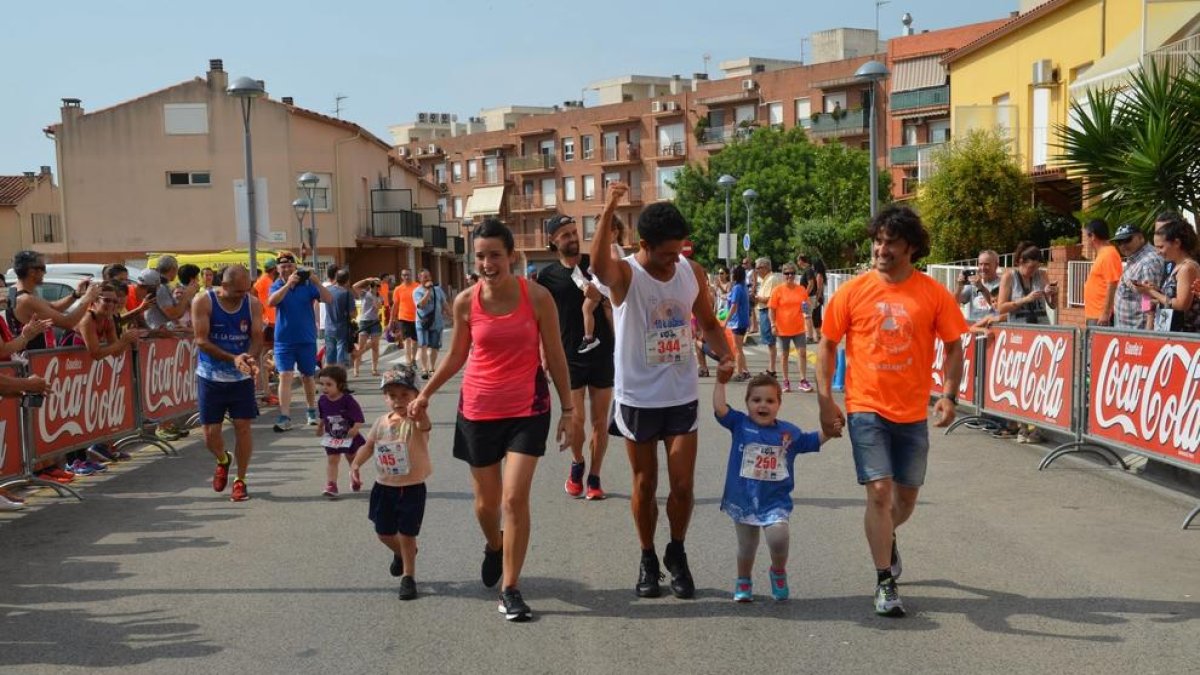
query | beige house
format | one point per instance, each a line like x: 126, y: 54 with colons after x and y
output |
x: 29, y: 215
x: 165, y: 173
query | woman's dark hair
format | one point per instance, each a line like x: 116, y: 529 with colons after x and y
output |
x: 818, y: 266
x: 110, y: 272
x: 661, y: 222
x: 188, y: 273
x: 739, y: 275
x: 24, y: 261
x: 1027, y: 251
x: 903, y: 223
x: 338, y: 375
x: 1098, y: 228
x: 1180, y: 232
x: 494, y: 229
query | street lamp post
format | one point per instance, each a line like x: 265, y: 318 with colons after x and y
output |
x: 726, y: 183
x: 301, y: 206
x: 308, y: 182
x: 246, y: 90
x: 873, y: 72
x: 748, y: 197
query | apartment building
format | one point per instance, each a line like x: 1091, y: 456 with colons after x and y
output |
x: 919, y: 101
x: 562, y: 162
x: 29, y: 215
x: 165, y: 173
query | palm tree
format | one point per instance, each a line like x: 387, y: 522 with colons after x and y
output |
x: 1138, y: 149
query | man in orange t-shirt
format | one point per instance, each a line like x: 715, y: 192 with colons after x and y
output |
x: 1100, y: 289
x: 786, y: 311
x: 889, y: 318
x: 404, y: 315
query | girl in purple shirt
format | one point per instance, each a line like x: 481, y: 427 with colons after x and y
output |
x: 341, y: 417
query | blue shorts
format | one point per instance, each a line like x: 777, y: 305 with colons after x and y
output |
x: 337, y: 351
x: 220, y: 398
x: 429, y: 338
x: 397, y: 510
x: 884, y: 449
x: 289, y: 357
x: 764, y: 327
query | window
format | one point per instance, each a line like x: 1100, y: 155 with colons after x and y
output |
x: 568, y: 149
x: 546, y: 148
x: 775, y: 114
x: 804, y: 112
x: 589, y: 188
x: 744, y: 113
x: 491, y: 170
x: 610, y: 178
x: 185, y: 119
x: 569, y: 189
x: 456, y: 172
x: 442, y: 205
x: 439, y: 172
x: 611, y: 140
x: 939, y: 131
x: 320, y: 197
x: 549, y: 192
x: 837, y: 100
x: 473, y: 170
x: 910, y: 134
x: 666, y: 191
x: 186, y: 178
x: 670, y: 140
x: 45, y: 228
x: 716, y: 119
x: 458, y: 207
x: 588, y: 146
x: 589, y: 227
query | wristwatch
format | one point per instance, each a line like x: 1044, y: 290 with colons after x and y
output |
x: 953, y: 398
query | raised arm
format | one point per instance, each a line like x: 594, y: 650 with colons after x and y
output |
x: 611, y: 272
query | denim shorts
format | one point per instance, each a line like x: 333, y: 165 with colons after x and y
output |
x: 885, y: 449
x: 337, y: 351
x: 797, y: 342
x: 764, y: 327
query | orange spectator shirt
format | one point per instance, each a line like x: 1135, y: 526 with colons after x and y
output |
x: 131, y: 301
x: 385, y: 295
x: 406, y: 309
x: 788, y: 304
x: 262, y: 288
x: 1105, y: 270
x: 890, y: 331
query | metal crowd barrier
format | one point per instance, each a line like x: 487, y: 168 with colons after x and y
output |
x: 90, y: 401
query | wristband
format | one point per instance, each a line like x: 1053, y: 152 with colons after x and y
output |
x: 572, y: 409
x: 953, y: 398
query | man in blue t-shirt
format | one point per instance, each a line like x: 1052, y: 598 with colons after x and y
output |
x: 295, y: 335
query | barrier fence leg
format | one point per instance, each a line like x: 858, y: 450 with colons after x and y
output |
x: 144, y: 438
x: 1100, y: 451
x: 31, y: 479
x: 1190, y: 517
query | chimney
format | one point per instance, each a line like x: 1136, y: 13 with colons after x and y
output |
x: 45, y: 170
x: 217, y: 77
x: 288, y: 100
x: 907, y: 20
x: 676, y: 84
x: 30, y: 178
x: 72, y: 108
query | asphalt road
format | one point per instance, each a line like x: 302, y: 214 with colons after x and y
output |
x: 1077, y: 569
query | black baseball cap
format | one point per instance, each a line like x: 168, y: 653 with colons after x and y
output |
x: 1125, y: 232
x: 556, y: 222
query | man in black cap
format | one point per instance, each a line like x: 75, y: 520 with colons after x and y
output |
x: 1134, y: 310
x: 591, y: 371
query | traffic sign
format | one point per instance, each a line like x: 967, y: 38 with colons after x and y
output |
x: 746, y: 242
x: 687, y: 248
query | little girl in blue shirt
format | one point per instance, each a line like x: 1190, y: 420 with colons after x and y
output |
x: 760, y: 477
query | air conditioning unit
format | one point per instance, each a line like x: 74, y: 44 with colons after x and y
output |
x: 656, y: 107
x: 432, y: 149
x: 422, y: 118
x: 749, y: 85
x: 445, y: 118
x: 1044, y: 73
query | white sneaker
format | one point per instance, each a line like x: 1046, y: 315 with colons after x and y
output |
x: 887, y: 600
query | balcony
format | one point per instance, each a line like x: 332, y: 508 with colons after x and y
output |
x: 405, y: 224
x: 530, y: 241
x: 671, y: 150
x: 853, y: 124
x: 532, y: 163
x: 613, y: 154
x: 660, y: 192
x: 724, y: 134
x: 1175, y: 57
x: 491, y: 177
x: 910, y: 154
x: 530, y: 203
x: 920, y: 98
x: 435, y: 236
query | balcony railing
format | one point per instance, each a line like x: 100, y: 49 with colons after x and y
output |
x: 853, y: 124
x: 613, y: 153
x: 909, y: 154
x: 396, y: 224
x: 725, y: 134
x: 533, y: 202
x: 530, y: 241
x: 435, y: 236
x: 532, y: 163
x: 491, y: 177
x: 920, y: 98
x: 669, y: 149
x: 1177, y: 56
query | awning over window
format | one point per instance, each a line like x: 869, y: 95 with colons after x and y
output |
x: 1166, y: 21
x: 919, y: 73
x: 485, y: 201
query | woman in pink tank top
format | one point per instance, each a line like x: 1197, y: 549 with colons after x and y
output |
x: 502, y: 325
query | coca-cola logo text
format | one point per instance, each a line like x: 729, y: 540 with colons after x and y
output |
x: 939, y: 365
x: 1151, y: 397
x: 168, y: 381
x: 1029, y: 378
x: 83, y: 400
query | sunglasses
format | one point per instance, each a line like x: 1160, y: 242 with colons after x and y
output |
x: 789, y: 274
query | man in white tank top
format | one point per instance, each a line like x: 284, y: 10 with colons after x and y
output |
x: 655, y: 293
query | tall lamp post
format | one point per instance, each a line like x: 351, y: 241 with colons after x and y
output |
x: 246, y: 90
x: 308, y: 182
x: 301, y: 206
x: 873, y: 72
x: 726, y: 183
x: 748, y: 197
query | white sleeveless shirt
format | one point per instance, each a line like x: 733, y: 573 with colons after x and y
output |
x: 655, y: 356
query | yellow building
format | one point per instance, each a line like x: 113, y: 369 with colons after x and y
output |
x: 1021, y: 77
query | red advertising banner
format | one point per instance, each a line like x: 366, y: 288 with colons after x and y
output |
x: 1143, y: 394
x: 167, y: 376
x: 10, y: 429
x: 966, y: 389
x: 89, y: 399
x: 1029, y: 372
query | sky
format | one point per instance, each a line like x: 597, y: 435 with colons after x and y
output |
x: 394, y: 59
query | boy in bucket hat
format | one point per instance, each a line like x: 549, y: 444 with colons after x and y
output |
x: 400, y: 446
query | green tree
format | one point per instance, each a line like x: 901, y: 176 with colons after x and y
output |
x: 977, y: 198
x: 1136, y: 148
x: 797, y: 182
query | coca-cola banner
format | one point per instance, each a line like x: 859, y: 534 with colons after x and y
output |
x: 1029, y: 373
x: 10, y: 429
x: 89, y: 399
x: 167, y: 377
x: 1143, y: 393
x: 966, y: 388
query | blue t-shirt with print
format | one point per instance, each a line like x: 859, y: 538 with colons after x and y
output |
x: 295, y: 323
x: 739, y: 298
x: 761, y: 471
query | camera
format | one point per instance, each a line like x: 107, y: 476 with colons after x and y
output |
x: 32, y: 400
x: 304, y: 273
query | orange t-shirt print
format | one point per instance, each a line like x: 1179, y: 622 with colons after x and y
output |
x: 890, y: 331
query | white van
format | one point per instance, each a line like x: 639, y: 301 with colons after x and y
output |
x: 91, y: 270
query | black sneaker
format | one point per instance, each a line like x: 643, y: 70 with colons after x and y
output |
x: 397, y: 566
x: 588, y: 345
x: 513, y: 606
x: 675, y: 560
x: 648, y: 577
x: 408, y: 588
x: 896, y: 567
x: 492, y: 568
